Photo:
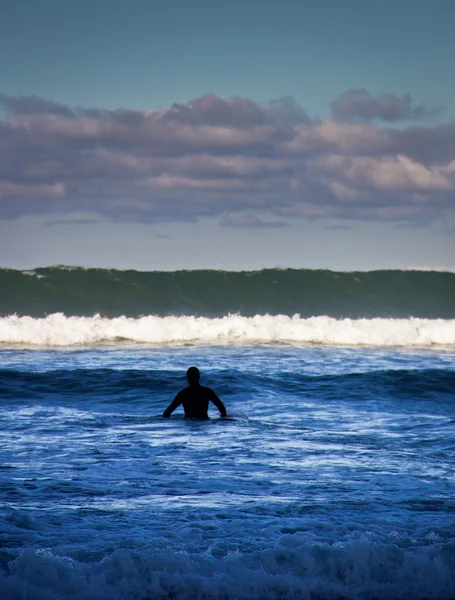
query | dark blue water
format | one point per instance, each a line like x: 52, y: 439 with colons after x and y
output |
x: 339, y: 484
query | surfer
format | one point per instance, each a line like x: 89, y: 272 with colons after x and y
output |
x: 195, y: 398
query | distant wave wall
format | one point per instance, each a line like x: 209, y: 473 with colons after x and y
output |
x: 77, y: 291
x: 60, y: 330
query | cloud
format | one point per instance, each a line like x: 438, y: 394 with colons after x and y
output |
x: 390, y: 173
x: 359, y: 104
x: 72, y: 222
x: 238, y: 113
x: 33, y: 105
x: 411, y: 225
x: 234, y: 159
x: 9, y: 189
x: 339, y: 227
x: 249, y: 220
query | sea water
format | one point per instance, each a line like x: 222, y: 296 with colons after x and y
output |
x: 337, y: 482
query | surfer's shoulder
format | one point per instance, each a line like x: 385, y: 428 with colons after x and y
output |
x: 207, y: 389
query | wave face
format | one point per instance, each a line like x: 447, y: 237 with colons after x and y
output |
x: 60, y: 330
x: 111, y: 293
x: 107, y: 385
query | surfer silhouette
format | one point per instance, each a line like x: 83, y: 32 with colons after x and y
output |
x: 195, y: 398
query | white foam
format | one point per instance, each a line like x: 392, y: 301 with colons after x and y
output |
x: 33, y: 274
x: 357, y: 569
x: 59, y: 330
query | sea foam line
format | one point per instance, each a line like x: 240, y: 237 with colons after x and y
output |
x: 60, y: 330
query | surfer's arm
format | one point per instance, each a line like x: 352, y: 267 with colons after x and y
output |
x: 172, y: 406
x: 217, y: 402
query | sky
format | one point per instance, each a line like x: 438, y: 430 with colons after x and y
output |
x: 184, y: 134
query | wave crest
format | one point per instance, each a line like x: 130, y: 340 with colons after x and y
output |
x: 60, y: 330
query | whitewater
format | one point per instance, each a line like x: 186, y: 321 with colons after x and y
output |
x: 337, y: 482
x: 60, y: 330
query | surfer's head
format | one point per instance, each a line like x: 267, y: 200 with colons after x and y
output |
x: 193, y: 375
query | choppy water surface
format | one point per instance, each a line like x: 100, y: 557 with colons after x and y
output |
x: 341, y: 483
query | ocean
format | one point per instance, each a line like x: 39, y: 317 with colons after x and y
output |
x: 335, y: 481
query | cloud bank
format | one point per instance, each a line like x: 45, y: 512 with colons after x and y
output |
x: 235, y: 159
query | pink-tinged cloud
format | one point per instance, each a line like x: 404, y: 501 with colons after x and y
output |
x: 234, y: 159
x: 389, y: 173
x: 17, y: 190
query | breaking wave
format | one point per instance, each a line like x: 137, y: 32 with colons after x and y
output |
x: 60, y: 330
x: 359, y: 569
x: 111, y: 293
